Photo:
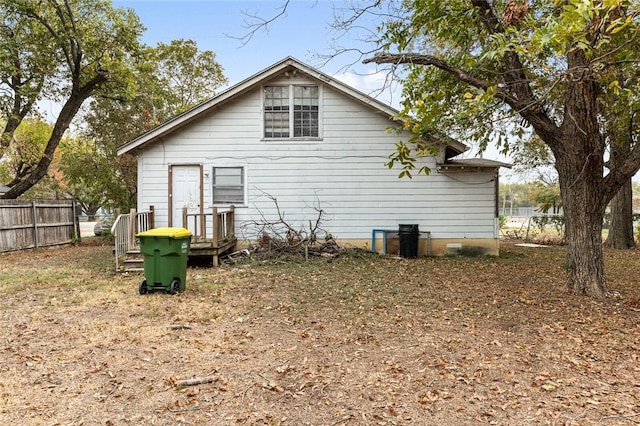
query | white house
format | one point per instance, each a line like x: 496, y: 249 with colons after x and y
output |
x: 297, y: 135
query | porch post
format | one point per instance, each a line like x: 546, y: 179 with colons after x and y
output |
x: 185, y: 223
x: 152, y: 221
x: 132, y: 229
x: 216, y: 236
x: 231, y: 222
x: 216, y: 226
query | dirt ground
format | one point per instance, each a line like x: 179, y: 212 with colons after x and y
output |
x: 357, y: 340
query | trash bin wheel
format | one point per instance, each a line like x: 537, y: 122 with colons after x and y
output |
x: 175, y: 287
x: 143, y: 287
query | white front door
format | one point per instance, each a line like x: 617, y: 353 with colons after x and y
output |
x: 185, y: 192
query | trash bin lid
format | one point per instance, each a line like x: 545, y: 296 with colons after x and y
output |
x: 166, y: 232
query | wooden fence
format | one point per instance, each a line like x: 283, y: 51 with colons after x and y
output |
x: 37, y: 223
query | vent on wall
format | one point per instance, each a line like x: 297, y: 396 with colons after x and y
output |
x: 453, y: 248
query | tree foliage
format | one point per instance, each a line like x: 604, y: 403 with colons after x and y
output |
x: 85, y: 173
x: 28, y: 62
x: 514, y: 195
x: 23, y: 155
x: 65, y: 51
x: 546, y: 197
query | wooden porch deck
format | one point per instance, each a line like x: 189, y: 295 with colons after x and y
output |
x: 223, y: 238
x: 207, y: 248
x: 220, y: 240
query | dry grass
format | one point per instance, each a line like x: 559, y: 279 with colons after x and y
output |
x: 358, y: 340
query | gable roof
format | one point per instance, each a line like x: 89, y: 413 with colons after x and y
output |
x: 288, y: 64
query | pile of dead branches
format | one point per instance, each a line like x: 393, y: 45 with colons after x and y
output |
x: 294, y: 243
x: 278, y: 237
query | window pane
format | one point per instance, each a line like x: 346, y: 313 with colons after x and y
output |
x: 276, y: 124
x: 228, y: 196
x: 228, y: 185
x: 228, y: 176
x: 276, y: 112
x: 305, y: 111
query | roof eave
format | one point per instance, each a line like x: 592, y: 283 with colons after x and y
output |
x: 471, y: 164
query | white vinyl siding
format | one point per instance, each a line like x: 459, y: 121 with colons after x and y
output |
x: 344, y: 175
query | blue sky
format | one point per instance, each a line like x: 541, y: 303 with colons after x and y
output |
x: 304, y: 32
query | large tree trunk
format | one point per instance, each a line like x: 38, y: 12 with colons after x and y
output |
x: 621, y: 228
x: 579, y: 153
x: 583, y: 204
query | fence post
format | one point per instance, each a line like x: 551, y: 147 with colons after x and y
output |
x: 76, y: 223
x: 34, y: 211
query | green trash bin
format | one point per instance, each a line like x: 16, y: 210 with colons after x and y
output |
x: 165, y: 252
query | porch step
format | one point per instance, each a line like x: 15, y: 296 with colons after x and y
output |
x: 133, y: 262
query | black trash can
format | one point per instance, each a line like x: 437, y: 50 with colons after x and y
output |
x: 409, y: 236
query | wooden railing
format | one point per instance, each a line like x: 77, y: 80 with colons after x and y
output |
x: 125, y: 228
x: 222, y: 225
x: 219, y: 225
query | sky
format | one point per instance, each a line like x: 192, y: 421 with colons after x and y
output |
x: 304, y: 32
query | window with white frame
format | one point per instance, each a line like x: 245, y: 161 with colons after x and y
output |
x: 276, y: 112
x: 279, y: 101
x: 228, y: 185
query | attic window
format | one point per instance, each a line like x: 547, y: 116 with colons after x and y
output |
x: 279, y: 101
x: 276, y: 112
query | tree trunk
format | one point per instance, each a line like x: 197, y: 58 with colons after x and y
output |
x: 68, y: 112
x: 579, y: 154
x: 621, y: 229
x: 584, y: 202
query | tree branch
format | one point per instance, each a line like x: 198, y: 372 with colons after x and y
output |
x: 428, y: 60
x: 514, y: 76
x: 262, y: 24
x: 516, y: 90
